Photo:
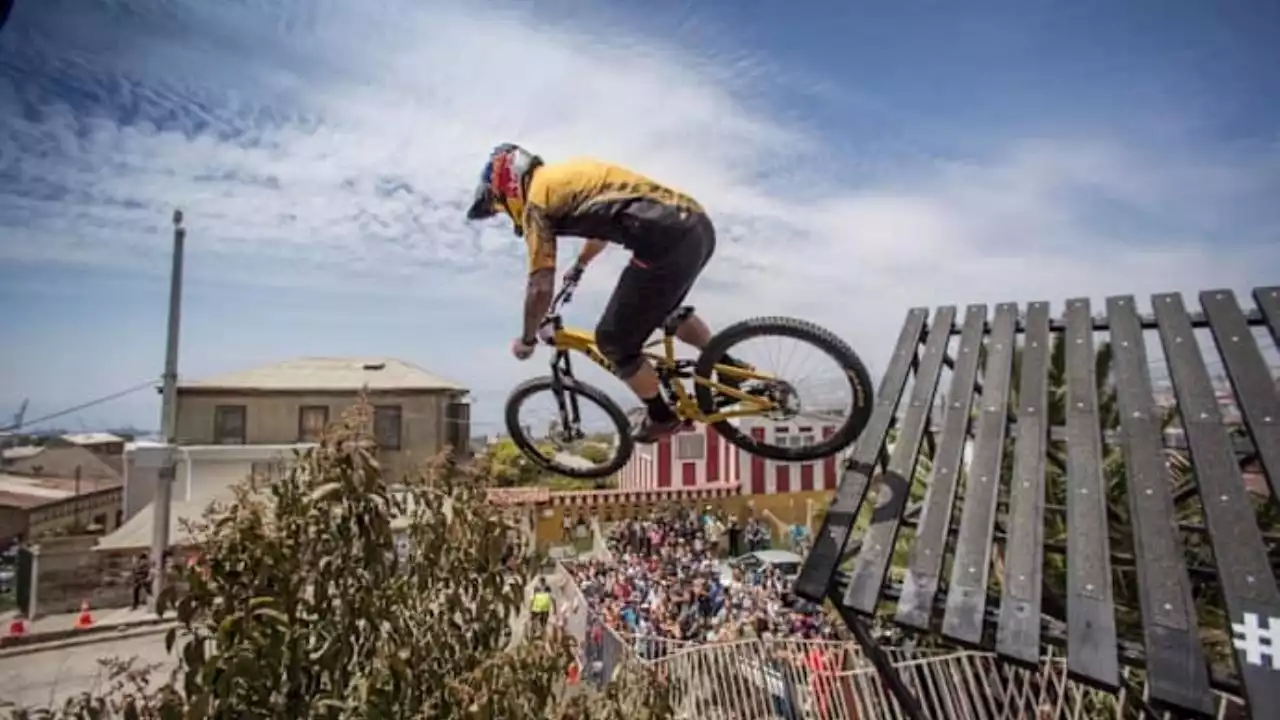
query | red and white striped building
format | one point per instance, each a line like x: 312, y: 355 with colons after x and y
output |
x: 701, y: 458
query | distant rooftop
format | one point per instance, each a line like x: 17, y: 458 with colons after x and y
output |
x: 25, y: 492
x: 61, y: 461
x: 92, y: 438
x: 22, y: 452
x: 328, y: 373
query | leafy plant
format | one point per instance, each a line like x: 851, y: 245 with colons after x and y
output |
x: 332, y: 594
x: 508, y: 466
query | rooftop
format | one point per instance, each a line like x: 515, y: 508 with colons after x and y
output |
x: 22, y: 451
x: 60, y: 462
x: 23, y: 491
x: 328, y: 373
x: 92, y: 438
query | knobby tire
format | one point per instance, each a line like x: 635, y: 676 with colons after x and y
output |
x: 855, y: 419
x: 587, y: 393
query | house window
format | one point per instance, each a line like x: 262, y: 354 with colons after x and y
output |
x: 691, y: 447
x: 386, y: 426
x: 312, y: 420
x: 800, y: 440
x: 228, y: 425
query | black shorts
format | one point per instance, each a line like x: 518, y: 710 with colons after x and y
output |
x: 650, y: 289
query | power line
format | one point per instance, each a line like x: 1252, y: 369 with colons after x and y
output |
x: 83, y: 406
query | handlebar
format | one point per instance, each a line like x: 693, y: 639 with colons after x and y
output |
x: 563, y: 297
x: 546, y: 329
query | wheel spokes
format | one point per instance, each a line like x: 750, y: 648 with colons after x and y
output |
x: 804, y: 379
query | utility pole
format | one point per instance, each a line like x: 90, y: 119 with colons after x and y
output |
x: 168, y: 417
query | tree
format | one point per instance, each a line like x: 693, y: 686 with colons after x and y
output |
x: 303, y: 607
x: 509, y: 467
x: 597, y: 453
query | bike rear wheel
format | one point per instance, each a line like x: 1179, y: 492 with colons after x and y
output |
x: 850, y: 421
x: 569, y: 395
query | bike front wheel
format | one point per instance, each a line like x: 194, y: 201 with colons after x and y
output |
x: 845, y: 418
x: 598, y: 451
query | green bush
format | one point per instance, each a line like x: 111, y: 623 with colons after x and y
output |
x: 302, y: 608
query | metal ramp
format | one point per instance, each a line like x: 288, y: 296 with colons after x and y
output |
x: 1054, y: 424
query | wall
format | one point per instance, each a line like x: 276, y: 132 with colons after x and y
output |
x: 202, y: 473
x: 13, y: 522
x: 61, y: 516
x: 664, y: 465
x: 690, y: 459
x: 102, y: 507
x: 68, y: 571
x: 272, y: 419
x: 767, y: 477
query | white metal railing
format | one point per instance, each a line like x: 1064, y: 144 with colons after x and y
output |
x: 821, y: 680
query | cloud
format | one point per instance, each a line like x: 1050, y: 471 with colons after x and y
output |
x: 332, y: 146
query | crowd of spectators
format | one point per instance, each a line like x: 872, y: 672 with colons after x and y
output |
x: 668, y: 580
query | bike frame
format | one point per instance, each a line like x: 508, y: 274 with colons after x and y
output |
x: 672, y: 371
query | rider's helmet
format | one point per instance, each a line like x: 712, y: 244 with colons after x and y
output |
x: 503, y: 183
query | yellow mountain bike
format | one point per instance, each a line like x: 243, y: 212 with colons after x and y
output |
x: 735, y: 394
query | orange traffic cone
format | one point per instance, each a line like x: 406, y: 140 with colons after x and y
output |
x: 85, y: 618
x: 18, y: 627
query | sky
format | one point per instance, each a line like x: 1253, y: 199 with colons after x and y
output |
x: 858, y: 159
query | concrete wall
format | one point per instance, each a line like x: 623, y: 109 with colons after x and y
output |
x: 59, y: 517
x: 13, y: 522
x: 272, y: 419
x: 68, y: 571
x: 201, y: 472
x: 101, y: 508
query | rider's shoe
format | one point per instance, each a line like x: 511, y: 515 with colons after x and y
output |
x: 651, y: 431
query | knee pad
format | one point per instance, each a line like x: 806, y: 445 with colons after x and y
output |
x: 625, y: 358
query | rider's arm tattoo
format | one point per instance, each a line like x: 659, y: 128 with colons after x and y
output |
x: 541, y: 237
x: 542, y: 265
x: 537, y: 300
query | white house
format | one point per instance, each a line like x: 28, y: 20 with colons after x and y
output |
x: 204, y: 474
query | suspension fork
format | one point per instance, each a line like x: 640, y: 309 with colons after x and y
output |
x: 561, y: 376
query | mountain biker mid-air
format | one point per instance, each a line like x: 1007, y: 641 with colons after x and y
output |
x: 668, y: 233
